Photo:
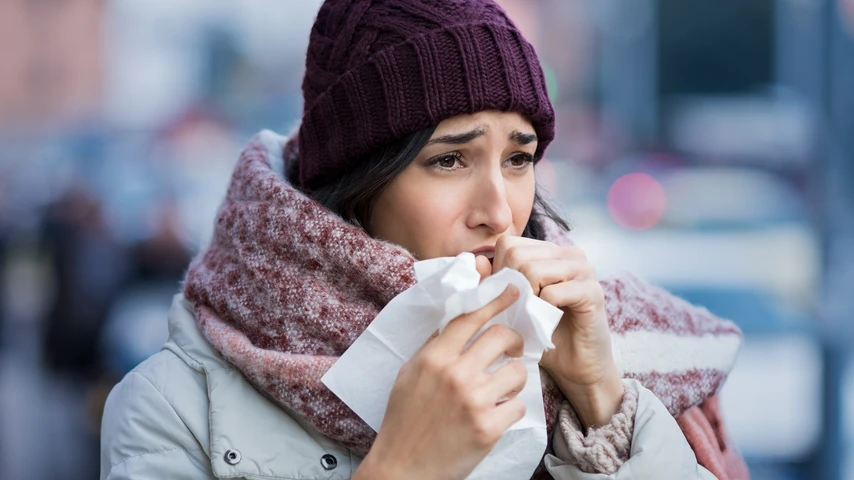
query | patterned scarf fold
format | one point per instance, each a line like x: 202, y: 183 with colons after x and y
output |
x: 286, y: 286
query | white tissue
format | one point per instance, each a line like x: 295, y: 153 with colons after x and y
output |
x: 447, y: 288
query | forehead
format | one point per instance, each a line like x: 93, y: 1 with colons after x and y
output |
x: 488, y: 120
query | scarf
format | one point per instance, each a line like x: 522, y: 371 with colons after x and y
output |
x: 286, y: 286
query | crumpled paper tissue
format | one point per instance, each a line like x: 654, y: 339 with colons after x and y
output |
x: 448, y: 287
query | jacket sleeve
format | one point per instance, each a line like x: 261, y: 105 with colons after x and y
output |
x: 143, y: 438
x: 651, y: 446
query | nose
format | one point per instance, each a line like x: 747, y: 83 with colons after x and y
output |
x: 489, y: 203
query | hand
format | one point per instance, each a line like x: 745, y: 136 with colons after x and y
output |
x: 581, y: 363
x: 444, y: 413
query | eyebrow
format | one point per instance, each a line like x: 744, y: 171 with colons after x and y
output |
x: 462, y: 138
x: 458, y: 139
x: 522, y: 138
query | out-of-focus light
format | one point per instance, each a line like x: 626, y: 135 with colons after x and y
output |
x: 636, y: 201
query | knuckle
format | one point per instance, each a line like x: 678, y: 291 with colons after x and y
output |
x: 589, y: 269
x: 428, y: 363
x: 502, y: 333
x: 547, y: 294
x: 471, y: 404
x: 484, y: 433
x: 518, y: 408
x: 519, y: 371
x: 576, y: 252
x: 597, y: 291
x: 512, y: 256
x: 528, y: 271
x: 455, y: 381
x: 502, y: 242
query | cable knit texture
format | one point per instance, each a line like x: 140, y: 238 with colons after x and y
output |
x: 602, y: 449
x: 286, y: 286
x: 376, y: 70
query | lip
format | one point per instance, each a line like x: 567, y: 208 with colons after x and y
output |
x: 487, y: 251
x: 484, y: 249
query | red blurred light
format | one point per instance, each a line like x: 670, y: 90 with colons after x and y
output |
x: 636, y: 201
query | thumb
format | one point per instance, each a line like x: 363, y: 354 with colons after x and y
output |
x: 484, y: 268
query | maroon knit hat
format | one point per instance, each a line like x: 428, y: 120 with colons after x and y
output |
x: 377, y: 70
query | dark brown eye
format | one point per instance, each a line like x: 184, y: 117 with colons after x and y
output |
x: 446, y: 162
x: 520, y: 160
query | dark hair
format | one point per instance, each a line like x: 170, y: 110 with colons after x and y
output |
x: 352, y: 195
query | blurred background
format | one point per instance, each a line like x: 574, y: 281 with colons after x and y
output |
x: 706, y: 146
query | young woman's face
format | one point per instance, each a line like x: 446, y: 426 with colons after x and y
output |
x: 471, y: 183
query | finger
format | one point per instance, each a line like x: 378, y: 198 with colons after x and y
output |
x: 512, y: 252
x: 461, y: 329
x: 497, y: 340
x: 432, y: 337
x: 580, y: 297
x: 428, y: 344
x: 542, y: 273
x: 506, y: 243
x: 484, y: 267
x: 507, y: 413
x: 516, y: 256
x: 507, y: 381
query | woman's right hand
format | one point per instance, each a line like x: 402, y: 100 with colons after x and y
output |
x: 445, y: 411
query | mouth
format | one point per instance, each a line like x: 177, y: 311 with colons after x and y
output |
x: 488, y: 254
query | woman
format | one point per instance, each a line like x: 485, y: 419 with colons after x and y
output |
x: 421, y: 125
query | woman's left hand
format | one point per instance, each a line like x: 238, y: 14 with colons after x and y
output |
x: 581, y: 363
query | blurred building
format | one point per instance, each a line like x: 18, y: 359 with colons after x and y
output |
x: 52, y: 59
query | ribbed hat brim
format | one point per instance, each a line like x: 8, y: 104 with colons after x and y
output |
x: 461, y: 69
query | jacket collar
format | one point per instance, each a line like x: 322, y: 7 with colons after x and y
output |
x: 269, y: 441
x: 192, y: 346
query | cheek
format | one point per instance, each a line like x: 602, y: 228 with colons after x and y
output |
x: 419, y: 218
x: 520, y: 198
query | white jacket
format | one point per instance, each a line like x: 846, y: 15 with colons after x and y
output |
x: 185, y: 413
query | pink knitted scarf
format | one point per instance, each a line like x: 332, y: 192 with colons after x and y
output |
x: 286, y: 286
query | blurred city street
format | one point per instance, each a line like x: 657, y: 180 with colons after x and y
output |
x: 708, y: 147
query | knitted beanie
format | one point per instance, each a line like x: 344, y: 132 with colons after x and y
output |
x: 377, y: 70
